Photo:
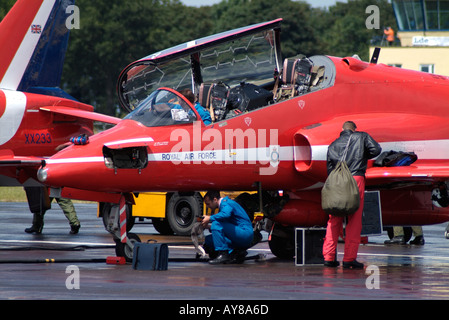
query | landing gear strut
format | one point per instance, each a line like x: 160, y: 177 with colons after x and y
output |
x: 116, y: 225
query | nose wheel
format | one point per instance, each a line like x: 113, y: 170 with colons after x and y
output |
x: 126, y: 249
x: 116, y: 225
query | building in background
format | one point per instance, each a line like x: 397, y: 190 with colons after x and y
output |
x: 423, y: 37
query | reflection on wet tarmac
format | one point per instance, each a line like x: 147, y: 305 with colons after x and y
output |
x: 401, y: 272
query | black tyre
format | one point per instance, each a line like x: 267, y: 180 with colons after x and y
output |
x: 282, y: 242
x: 182, y: 211
x: 162, y: 226
x: 123, y: 249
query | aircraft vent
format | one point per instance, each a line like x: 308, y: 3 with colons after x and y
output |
x: 302, y: 153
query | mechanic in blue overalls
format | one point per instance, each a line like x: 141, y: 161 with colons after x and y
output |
x: 231, y: 228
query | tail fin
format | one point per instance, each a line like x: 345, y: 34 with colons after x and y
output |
x: 33, y: 42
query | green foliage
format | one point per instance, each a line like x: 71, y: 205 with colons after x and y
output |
x: 114, y: 33
x: 5, y: 5
x: 297, y: 32
x: 343, y: 31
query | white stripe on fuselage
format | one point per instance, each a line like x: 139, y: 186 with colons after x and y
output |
x: 75, y: 160
x: 136, y: 140
x: 12, y: 117
x: 265, y: 154
x: 425, y: 149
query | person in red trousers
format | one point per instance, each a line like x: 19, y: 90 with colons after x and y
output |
x: 361, y: 148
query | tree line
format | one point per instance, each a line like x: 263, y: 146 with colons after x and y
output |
x: 114, y: 33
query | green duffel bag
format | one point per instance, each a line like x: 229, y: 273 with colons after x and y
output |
x: 340, y: 193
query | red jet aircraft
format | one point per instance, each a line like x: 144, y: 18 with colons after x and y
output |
x: 267, y: 133
x: 35, y: 115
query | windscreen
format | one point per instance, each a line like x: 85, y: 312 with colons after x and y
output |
x: 142, y: 80
x: 162, y: 108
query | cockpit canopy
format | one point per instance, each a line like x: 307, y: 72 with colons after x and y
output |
x: 229, y: 74
x: 249, y: 54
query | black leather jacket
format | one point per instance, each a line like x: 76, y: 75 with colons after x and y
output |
x: 361, y: 148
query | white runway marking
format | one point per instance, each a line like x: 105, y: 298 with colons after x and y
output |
x: 402, y: 256
x: 58, y: 242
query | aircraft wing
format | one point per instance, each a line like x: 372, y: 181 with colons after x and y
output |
x: 81, y: 114
x: 417, y: 172
x: 7, y: 158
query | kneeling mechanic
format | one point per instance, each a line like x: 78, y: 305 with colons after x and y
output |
x: 231, y: 230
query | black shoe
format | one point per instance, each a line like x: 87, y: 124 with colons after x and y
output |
x: 34, y: 229
x: 419, y: 241
x: 331, y: 264
x: 74, y: 229
x: 396, y: 240
x: 238, y: 256
x: 37, y: 224
x: 354, y: 264
x: 222, y: 258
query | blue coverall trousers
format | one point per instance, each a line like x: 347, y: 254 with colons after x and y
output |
x: 227, y: 236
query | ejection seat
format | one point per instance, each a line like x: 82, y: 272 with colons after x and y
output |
x: 214, y: 97
x: 295, y: 78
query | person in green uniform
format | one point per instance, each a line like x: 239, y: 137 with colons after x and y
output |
x: 69, y: 211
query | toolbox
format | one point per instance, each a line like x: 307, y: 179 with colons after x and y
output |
x: 150, y: 256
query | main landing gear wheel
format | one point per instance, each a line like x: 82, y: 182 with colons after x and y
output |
x: 182, y: 211
x: 282, y: 242
x: 162, y: 226
x: 126, y: 249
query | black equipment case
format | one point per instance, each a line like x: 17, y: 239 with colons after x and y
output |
x: 309, y: 245
x: 150, y: 256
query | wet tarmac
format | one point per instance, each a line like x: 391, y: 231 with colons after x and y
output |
x: 78, y: 269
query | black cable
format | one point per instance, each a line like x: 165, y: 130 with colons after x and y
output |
x: 54, y: 248
x: 51, y: 260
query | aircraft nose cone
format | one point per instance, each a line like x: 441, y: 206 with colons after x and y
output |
x: 42, y: 174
